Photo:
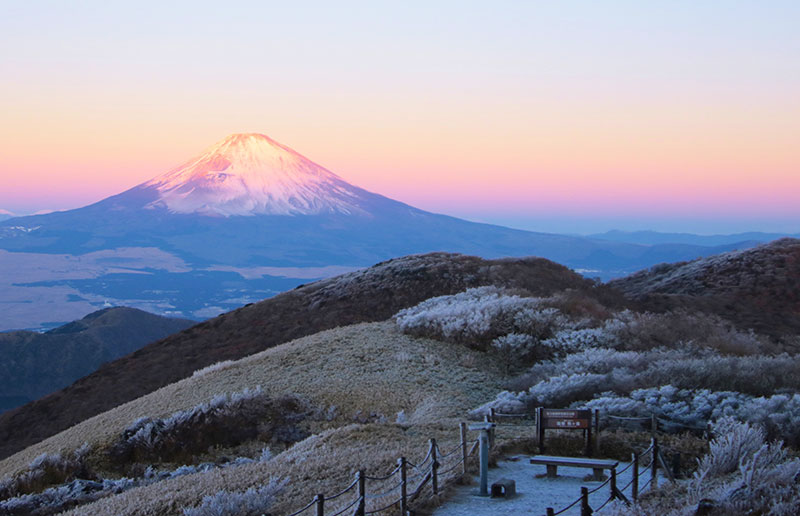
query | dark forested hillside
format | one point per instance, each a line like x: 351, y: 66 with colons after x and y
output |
x: 35, y: 364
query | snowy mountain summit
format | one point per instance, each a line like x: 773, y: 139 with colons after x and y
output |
x: 252, y: 174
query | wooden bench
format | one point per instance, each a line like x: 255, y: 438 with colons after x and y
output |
x: 553, y: 463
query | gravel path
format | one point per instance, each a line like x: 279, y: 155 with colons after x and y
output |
x: 534, y: 495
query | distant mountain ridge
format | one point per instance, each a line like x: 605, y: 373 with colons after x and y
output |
x: 35, y: 364
x: 372, y: 294
x: 657, y: 238
x: 755, y: 288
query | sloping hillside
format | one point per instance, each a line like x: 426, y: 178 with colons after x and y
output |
x: 756, y: 288
x: 357, y: 374
x: 372, y: 294
x: 35, y: 364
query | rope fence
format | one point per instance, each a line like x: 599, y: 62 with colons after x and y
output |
x: 408, y: 483
x: 420, y: 481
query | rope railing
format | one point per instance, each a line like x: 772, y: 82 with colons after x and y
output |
x: 436, y: 464
x: 386, y: 477
x: 385, y: 493
x: 597, y: 488
x: 451, y: 452
x: 568, y: 507
x: 304, y: 509
x: 342, y: 511
x: 385, y: 507
x: 344, y: 491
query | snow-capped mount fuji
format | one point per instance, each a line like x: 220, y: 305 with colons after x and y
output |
x: 252, y: 174
x: 249, y: 201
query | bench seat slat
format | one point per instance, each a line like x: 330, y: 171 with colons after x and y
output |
x: 574, y: 462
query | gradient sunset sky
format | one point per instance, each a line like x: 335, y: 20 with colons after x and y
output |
x: 554, y: 116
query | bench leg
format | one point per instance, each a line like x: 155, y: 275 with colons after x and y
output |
x: 552, y: 471
x: 598, y: 474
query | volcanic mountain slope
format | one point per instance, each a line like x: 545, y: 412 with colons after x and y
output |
x: 34, y: 364
x: 373, y: 294
x: 5, y: 214
x: 262, y: 203
x: 757, y: 288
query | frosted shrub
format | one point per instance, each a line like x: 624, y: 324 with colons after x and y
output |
x: 226, y: 420
x: 765, y: 483
x: 778, y: 414
x: 46, y: 470
x: 253, y: 502
x: 219, y: 366
x: 734, y: 443
x: 82, y: 491
x: 514, y: 347
x: 571, y: 341
x: 477, y: 316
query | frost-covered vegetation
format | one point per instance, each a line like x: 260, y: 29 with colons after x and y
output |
x: 687, y: 368
x: 253, y: 502
x: 55, y: 483
x: 76, y: 484
x: 226, y: 420
x: 742, y: 473
x: 47, y: 470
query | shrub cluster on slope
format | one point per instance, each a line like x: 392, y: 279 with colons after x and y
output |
x: 226, y: 420
x: 372, y: 294
x: 253, y: 502
x: 47, y: 470
x: 81, y: 491
x: 687, y: 368
x: 741, y: 474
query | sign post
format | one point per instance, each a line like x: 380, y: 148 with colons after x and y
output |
x: 485, y: 428
x: 565, y: 419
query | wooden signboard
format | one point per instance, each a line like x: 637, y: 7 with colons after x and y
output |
x: 565, y: 419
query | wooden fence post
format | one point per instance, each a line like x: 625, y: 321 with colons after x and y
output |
x: 653, y: 425
x: 676, y: 465
x: 403, y: 486
x: 463, y: 428
x: 434, y: 468
x: 654, y: 463
x: 596, y: 432
x: 586, y: 509
x: 362, y: 493
x: 320, y: 499
x: 613, y: 483
x: 635, y: 481
x: 539, y: 429
x: 489, y: 419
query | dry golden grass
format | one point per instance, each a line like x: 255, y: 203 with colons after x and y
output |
x: 365, y: 368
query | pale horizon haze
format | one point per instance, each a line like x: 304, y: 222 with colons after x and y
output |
x: 568, y: 117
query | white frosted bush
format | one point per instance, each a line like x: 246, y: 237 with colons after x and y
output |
x: 574, y: 340
x: 479, y: 315
x: 219, y: 366
x: 228, y: 419
x: 735, y: 442
x: 253, y: 502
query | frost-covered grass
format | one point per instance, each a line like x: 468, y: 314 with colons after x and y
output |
x: 87, y: 488
x: 226, y: 420
x: 253, y: 502
x: 742, y: 473
x: 46, y: 470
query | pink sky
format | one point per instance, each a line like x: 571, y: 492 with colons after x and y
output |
x: 519, y: 111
